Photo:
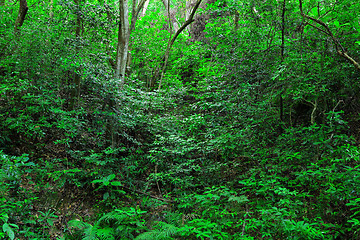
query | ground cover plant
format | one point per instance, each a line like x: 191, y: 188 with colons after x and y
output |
x: 179, y: 119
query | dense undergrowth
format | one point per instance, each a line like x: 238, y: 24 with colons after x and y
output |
x: 240, y: 142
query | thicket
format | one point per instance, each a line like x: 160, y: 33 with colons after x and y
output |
x: 249, y: 137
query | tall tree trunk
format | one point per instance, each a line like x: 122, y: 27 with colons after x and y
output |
x: 21, y: 15
x: 172, y: 40
x: 170, y: 14
x: 143, y: 12
x: 75, y: 88
x: 136, y: 11
x: 134, y: 17
x: 236, y: 19
x: 123, y: 42
x: 187, y: 12
x: 282, y: 49
x: 51, y: 14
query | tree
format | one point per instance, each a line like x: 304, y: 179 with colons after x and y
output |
x: 325, y: 29
x: 143, y: 12
x: 136, y: 11
x: 123, y: 57
x: 134, y: 17
x: 170, y: 15
x: 75, y: 88
x: 123, y: 42
x: 172, y: 40
x: 23, y: 9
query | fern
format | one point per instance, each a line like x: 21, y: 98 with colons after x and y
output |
x: 115, y: 217
x: 79, y: 224
x: 105, y: 234
x: 119, y: 224
x: 90, y: 232
x: 162, y: 231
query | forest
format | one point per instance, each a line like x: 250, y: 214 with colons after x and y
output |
x: 179, y: 119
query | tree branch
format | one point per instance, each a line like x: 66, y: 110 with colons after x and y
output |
x: 339, y: 48
x: 188, y: 22
x: 23, y: 9
x: 135, y: 13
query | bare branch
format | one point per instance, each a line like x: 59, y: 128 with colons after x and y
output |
x: 188, y: 22
x: 339, y: 48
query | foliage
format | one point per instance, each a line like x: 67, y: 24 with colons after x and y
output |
x: 254, y: 133
x: 120, y: 223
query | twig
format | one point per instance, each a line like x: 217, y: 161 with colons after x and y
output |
x: 339, y: 48
x: 340, y: 101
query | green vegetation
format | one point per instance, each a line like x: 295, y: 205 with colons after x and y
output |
x: 240, y: 124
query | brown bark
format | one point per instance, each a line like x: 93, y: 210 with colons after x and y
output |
x: 197, y: 30
x: 326, y: 30
x: 23, y: 9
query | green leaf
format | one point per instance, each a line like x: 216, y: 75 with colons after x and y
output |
x: 111, y: 177
x: 345, y: 24
x: 116, y: 183
x: 354, y: 221
x: 50, y: 221
x: 97, y: 181
x: 336, y: 23
x: 306, y: 29
x: 106, y: 195
x: 240, y: 199
x: 7, y: 229
x: 314, y: 11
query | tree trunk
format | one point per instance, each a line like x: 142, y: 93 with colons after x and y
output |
x: 282, y: 49
x: 134, y: 17
x: 171, y: 16
x: 51, y: 14
x: 123, y: 42
x: 187, y: 11
x: 75, y: 88
x: 21, y: 15
x: 145, y: 8
x: 124, y: 45
x: 172, y: 40
x: 236, y: 19
x: 136, y: 11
